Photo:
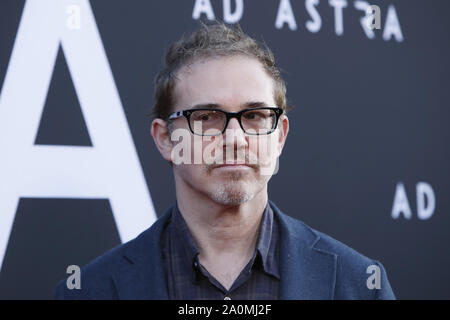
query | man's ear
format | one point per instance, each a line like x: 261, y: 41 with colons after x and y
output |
x: 283, y: 132
x: 161, y: 136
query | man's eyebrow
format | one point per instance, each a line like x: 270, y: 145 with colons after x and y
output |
x: 255, y: 104
x: 206, y: 105
x: 250, y: 104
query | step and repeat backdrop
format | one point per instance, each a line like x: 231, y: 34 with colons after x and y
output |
x: 367, y: 158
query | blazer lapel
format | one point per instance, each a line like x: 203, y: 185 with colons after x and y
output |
x: 143, y: 277
x: 307, y: 272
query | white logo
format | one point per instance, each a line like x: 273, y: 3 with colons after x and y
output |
x: 111, y: 168
x: 373, y: 14
x: 204, y: 6
x: 285, y: 16
x: 401, y: 203
x: 213, y: 154
x: 374, y: 280
x: 74, y: 280
x: 73, y: 21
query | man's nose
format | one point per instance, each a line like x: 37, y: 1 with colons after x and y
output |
x: 234, y: 135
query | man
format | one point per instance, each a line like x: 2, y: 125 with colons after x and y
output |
x: 220, y: 120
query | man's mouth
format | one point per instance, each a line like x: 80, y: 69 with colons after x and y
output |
x: 233, y: 166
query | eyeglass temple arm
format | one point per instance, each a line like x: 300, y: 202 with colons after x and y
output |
x: 176, y: 115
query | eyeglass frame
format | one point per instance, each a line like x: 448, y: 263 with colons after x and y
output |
x: 229, y: 115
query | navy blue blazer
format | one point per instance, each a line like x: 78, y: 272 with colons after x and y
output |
x: 312, y: 266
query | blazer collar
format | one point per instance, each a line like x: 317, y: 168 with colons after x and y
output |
x: 143, y: 277
x: 306, y: 270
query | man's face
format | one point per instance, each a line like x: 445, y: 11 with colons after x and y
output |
x: 230, y: 84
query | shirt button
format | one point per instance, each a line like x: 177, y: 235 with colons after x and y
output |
x: 227, y: 298
x: 195, y: 264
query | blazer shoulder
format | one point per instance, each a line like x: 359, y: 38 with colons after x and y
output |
x: 321, y: 241
x: 353, y: 269
x: 357, y: 275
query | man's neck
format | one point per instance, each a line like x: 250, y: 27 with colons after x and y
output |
x: 221, y: 229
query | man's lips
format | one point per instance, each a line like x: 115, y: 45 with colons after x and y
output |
x: 233, y: 165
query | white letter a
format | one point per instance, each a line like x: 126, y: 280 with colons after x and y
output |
x: 285, y: 15
x: 401, y: 204
x: 111, y: 168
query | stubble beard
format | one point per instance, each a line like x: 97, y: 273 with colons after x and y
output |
x: 231, y: 190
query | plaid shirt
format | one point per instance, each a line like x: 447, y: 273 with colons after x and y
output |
x: 188, y: 279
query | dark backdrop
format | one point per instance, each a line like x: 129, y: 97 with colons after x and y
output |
x: 370, y: 120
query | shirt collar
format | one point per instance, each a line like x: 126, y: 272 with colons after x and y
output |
x: 183, y: 235
x: 265, y: 246
x: 267, y: 240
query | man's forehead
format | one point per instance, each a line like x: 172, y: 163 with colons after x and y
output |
x: 233, y: 81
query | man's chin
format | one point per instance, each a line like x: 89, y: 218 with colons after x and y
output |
x: 228, y: 199
x: 231, y: 193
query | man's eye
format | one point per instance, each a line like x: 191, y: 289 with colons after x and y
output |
x: 253, y: 116
x: 205, y: 116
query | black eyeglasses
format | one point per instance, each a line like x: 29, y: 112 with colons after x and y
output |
x: 213, y: 122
